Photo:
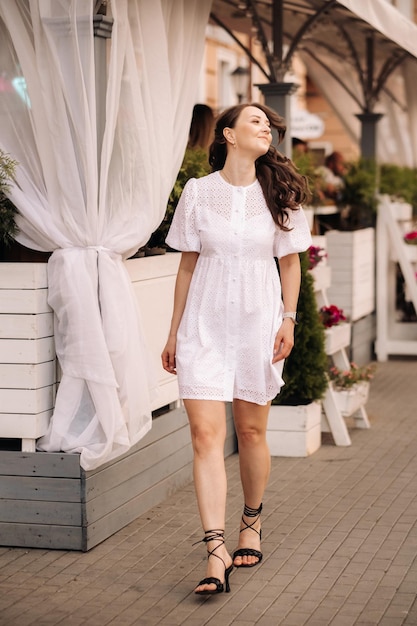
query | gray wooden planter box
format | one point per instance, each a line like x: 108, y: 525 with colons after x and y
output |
x: 48, y: 501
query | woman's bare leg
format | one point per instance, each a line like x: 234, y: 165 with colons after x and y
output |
x: 251, y: 421
x: 208, y: 433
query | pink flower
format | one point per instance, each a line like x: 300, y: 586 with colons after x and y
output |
x: 315, y: 255
x: 411, y: 237
x: 331, y: 315
x: 346, y: 379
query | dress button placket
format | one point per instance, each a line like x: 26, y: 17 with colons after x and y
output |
x: 232, y: 322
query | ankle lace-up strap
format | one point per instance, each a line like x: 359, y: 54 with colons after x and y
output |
x: 248, y: 512
x: 211, y: 535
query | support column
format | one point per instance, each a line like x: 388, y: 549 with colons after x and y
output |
x: 278, y: 97
x: 369, y: 134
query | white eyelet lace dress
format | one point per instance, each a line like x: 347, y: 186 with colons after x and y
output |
x: 234, y: 309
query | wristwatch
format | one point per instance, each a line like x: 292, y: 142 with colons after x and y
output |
x: 291, y: 314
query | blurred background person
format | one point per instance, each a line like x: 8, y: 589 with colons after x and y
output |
x: 332, y: 173
x: 201, y: 128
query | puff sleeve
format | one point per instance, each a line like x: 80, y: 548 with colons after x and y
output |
x: 298, y: 239
x: 183, y: 234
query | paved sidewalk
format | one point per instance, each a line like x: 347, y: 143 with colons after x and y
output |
x: 340, y: 543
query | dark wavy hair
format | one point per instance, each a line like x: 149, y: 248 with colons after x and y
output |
x: 283, y: 187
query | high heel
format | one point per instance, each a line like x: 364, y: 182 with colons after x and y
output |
x: 212, y: 535
x: 248, y: 512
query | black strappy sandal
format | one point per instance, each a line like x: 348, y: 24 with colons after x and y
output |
x: 248, y: 512
x: 211, y: 535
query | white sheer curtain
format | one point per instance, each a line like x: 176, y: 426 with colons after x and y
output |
x: 94, y: 210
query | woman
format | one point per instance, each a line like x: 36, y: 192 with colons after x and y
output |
x: 231, y: 330
x: 201, y: 128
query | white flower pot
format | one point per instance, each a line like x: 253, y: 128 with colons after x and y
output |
x: 350, y: 400
x: 336, y: 338
x: 294, y: 430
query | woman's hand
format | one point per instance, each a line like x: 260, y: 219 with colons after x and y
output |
x: 168, y: 355
x: 284, y: 340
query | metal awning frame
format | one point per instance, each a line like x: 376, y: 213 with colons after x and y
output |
x: 371, y: 79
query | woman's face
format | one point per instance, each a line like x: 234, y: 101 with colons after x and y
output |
x: 251, y: 133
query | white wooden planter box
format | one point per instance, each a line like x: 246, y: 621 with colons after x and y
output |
x: 294, y: 430
x: 27, y: 353
x: 153, y: 281
x: 350, y: 400
x: 28, y: 365
x: 322, y: 275
x: 336, y: 338
x: 402, y: 211
x: 351, y: 256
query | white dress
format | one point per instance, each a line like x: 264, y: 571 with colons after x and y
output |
x: 234, y: 308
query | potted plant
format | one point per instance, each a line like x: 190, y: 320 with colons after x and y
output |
x: 8, y: 227
x: 294, y: 426
x: 358, y: 198
x: 351, y: 386
x: 337, y: 331
x: 194, y: 165
x: 400, y: 183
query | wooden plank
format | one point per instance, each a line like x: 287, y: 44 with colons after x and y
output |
x: 40, y: 512
x: 168, y: 392
x: 30, y: 326
x: 41, y: 536
x: 47, y: 489
x: 121, y: 492
x: 162, y: 426
x: 27, y: 400
x: 24, y: 301
x: 27, y: 350
x: 40, y: 464
x: 169, y: 433
x: 27, y: 375
x: 153, y: 267
x: 23, y: 276
x: 138, y: 465
x: 109, y: 490
x: 23, y: 426
x: 101, y: 529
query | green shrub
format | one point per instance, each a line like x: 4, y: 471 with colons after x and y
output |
x: 359, y: 195
x: 305, y: 370
x: 399, y: 182
x: 194, y: 165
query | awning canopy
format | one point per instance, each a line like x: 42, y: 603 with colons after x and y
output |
x: 361, y: 50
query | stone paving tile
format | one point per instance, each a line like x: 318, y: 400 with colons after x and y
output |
x: 339, y: 537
